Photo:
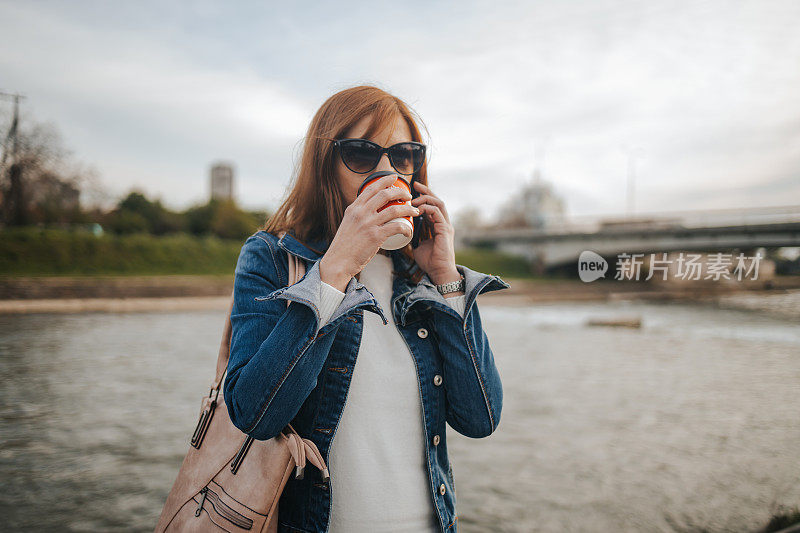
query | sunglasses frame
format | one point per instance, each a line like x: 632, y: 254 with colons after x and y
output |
x: 382, y: 150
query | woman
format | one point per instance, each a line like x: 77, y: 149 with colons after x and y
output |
x: 423, y: 357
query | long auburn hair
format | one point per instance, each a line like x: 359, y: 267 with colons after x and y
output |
x: 315, y: 205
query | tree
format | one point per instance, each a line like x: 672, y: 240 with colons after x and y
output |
x: 230, y: 222
x: 135, y: 208
x: 198, y: 218
x: 41, y: 183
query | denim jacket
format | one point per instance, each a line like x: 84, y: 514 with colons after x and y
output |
x: 284, y: 369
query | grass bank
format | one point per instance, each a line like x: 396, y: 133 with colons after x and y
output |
x: 53, y: 252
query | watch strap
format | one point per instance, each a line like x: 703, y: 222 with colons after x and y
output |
x: 451, y: 286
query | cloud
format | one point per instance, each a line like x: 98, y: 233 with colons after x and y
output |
x: 706, y: 91
x: 148, y: 114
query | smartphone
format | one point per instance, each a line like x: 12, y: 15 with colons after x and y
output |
x: 418, y: 220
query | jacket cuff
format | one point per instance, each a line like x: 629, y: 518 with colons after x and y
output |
x: 308, y: 291
x: 329, y: 299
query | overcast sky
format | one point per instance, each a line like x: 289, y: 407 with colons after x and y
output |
x: 150, y: 93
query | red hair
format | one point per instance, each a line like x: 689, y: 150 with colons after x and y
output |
x: 315, y: 205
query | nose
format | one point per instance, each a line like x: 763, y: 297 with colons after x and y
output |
x: 384, y: 163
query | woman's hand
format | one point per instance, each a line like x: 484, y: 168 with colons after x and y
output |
x: 363, y: 229
x: 436, y: 256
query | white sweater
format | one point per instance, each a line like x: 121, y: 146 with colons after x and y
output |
x: 377, y: 464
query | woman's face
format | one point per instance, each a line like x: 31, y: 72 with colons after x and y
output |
x: 349, y: 181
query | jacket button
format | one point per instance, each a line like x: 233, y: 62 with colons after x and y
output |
x: 436, y: 440
x: 442, y: 489
x: 422, y: 333
x: 437, y: 380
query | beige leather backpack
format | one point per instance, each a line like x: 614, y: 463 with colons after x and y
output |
x: 228, y: 479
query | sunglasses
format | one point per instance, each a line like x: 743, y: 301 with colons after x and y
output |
x: 362, y: 156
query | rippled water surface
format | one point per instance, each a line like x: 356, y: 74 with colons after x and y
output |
x: 689, y: 423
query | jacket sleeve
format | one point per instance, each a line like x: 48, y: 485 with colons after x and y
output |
x: 276, y: 352
x: 473, y: 389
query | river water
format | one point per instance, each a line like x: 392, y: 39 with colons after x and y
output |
x: 689, y: 423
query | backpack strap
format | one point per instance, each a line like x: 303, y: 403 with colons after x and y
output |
x: 297, y: 269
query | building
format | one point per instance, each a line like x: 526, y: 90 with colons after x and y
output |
x: 222, y: 181
x: 536, y: 205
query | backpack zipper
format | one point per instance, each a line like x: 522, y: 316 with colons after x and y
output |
x: 223, y: 509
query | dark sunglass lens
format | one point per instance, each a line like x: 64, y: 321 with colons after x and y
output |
x: 407, y: 158
x: 359, y: 156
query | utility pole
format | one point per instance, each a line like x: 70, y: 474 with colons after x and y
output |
x: 539, y: 153
x: 11, y: 136
x: 14, y: 205
x: 631, y: 183
x: 632, y: 153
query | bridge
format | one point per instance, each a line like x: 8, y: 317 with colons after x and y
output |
x: 718, y: 230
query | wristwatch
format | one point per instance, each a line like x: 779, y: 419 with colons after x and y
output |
x: 451, y: 286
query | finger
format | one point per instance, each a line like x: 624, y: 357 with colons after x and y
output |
x: 424, y: 189
x: 431, y: 200
x: 393, y: 227
x: 396, y: 211
x: 388, y: 194
x: 375, y: 187
x: 421, y: 187
x: 433, y: 214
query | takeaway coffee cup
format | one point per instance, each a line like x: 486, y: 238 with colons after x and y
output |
x: 398, y: 240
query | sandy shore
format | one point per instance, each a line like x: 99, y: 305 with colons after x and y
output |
x: 114, y: 305
x: 780, y: 296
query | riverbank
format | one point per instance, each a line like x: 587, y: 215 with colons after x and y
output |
x: 114, y: 305
x: 63, y: 294
x: 778, y: 297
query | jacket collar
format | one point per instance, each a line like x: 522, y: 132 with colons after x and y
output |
x: 293, y: 246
